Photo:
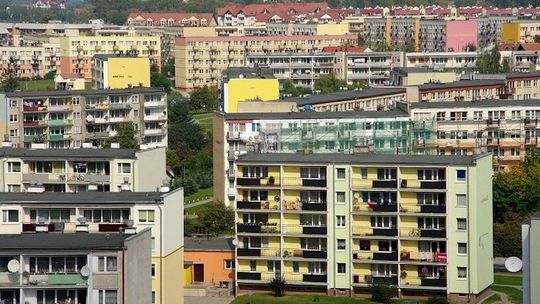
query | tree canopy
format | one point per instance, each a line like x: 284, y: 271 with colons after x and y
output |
x: 491, y: 63
x: 125, y: 136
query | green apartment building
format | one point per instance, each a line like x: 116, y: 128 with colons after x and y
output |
x: 336, y: 223
x: 531, y: 264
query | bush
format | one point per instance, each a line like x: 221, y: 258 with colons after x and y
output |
x: 383, y: 292
x: 278, y: 285
x: 437, y: 300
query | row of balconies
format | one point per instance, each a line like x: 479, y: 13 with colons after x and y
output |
x: 14, y: 279
x: 61, y: 227
x: 287, y: 181
x: 70, y: 178
x: 291, y: 278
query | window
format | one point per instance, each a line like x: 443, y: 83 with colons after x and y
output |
x: 363, y: 173
x: 382, y: 222
x: 107, y: 264
x: 341, y: 245
x: 431, y: 175
x: 253, y: 265
x: 229, y: 264
x: 461, y: 224
x: 273, y: 266
x: 124, y: 168
x: 107, y: 296
x: 153, y: 240
x: 461, y: 200
x: 316, y: 267
x: 14, y: 188
x: 462, y: 272
x: 340, y: 197
x: 461, y: 175
x: 10, y: 216
x: 340, y: 221
x: 365, y: 245
x: 14, y: 167
x: 146, y: 216
x: 386, y: 174
x: 313, y: 173
x: 341, y: 268
x: 296, y: 266
x: 462, y: 248
x: 153, y: 270
x: 340, y: 173
x: 153, y: 297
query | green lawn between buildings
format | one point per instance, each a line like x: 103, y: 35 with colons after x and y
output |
x: 514, y: 294
x: 306, y: 299
x: 199, y: 195
x: 204, y: 120
x: 494, y: 298
x: 37, y: 85
x: 507, y: 280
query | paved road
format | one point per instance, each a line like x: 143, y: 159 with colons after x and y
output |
x: 207, y: 300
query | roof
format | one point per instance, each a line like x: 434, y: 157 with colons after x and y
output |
x: 63, y: 241
x: 286, y: 10
x: 535, y: 217
x: 488, y: 103
x: 124, y: 197
x: 67, y: 93
x: 107, y: 56
x: 344, y: 48
x: 213, y: 244
x: 462, y: 84
x: 406, y: 70
x: 72, y: 154
x: 344, y: 95
x: 326, y: 158
x: 317, y: 115
x: 522, y: 74
x: 248, y: 72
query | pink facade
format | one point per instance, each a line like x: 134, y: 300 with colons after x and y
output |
x: 459, y: 33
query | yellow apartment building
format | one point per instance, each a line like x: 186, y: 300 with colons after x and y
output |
x: 112, y: 71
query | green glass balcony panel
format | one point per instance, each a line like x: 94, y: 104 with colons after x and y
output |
x: 56, y: 137
x: 66, y: 279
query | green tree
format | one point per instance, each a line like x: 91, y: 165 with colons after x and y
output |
x: 217, y: 217
x: 383, y: 292
x: 168, y: 68
x: 489, y: 62
x: 10, y: 82
x: 329, y: 83
x: 125, y: 136
x: 278, y: 286
x: 470, y: 47
x: 507, y: 236
x: 205, y: 98
x: 50, y: 75
x: 410, y: 46
x: 160, y: 81
x: 437, y: 300
x: 505, y: 65
x: 288, y: 88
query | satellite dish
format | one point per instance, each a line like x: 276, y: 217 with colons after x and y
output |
x: 89, y: 118
x: 276, y: 198
x: 234, y: 242
x: 513, y: 264
x: 13, y: 266
x: 85, y: 271
x: 356, y: 195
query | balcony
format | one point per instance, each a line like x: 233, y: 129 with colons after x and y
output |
x: 110, y: 227
x: 34, y: 123
x: 423, y: 184
x: 418, y: 281
x: 155, y: 117
x: 251, y: 276
x: 58, y: 122
x: 424, y: 233
x: 310, y: 278
x: 34, y: 108
x: 257, y: 205
x: 304, y: 182
x: 374, y: 207
x: 258, y: 252
x: 423, y: 256
x: 305, y: 253
x: 58, y: 137
x: 9, y: 279
x: 60, y: 108
x: 257, y: 228
x: 257, y: 181
x: 120, y: 106
x: 155, y: 104
x: 372, y: 231
x: 54, y: 279
x: 43, y: 177
x: 298, y: 229
x: 88, y: 178
x: 416, y: 208
x: 48, y: 227
x: 385, y: 184
x: 304, y: 206
x: 376, y: 256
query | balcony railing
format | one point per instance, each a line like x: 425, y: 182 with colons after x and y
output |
x: 252, y: 276
x: 423, y: 281
x: 320, y: 253
x: 374, y: 231
x: 258, y: 252
x: 423, y: 256
x: 9, y: 278
x: 375, y: 207
x: 258, y: 227
x: 257, y: 205
x: 423, y: 232
x: 298, y: 229
x: 375, y: 278
x: 257, y: 181
x: 297, y: 278
x: 54, y: 279
x: 304, y: 182
x: 376, y: 256
x: 415, y: 208
x: 423, y: 184
x: 305, y: 206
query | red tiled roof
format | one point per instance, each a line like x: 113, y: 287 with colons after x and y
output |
x: 371, y: 11
x: 404, y: 12
x: 281, y: 9
x: 528, y: 10
x: 177, y: 17
x: 507, y: 46
x: 529, y: 46
x: 494, y: 11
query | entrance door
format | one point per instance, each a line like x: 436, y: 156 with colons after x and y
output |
x: 199, y: 272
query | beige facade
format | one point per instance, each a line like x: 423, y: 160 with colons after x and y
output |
x: 67, y: 119
x: 29, y: 61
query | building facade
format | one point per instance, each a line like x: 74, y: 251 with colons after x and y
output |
x: 81, y: 170
x: 337, y: 223
x: 70, y: 216
x: 120, y: 72
x: 530, y: 240
x: 29, y: 61
x: 67, y: 119
x: 209, y: 261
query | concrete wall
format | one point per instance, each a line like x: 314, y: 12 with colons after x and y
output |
x: 261, y: 106
x: 459, y: 33
x: 219, y: 158
x: 214, y: 265
x: 123, y: 72
x: 237, y: 90
x: 531, y: 264
x: 150, y: 169
x: 137, y: 281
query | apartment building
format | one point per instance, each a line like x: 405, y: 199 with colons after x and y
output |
x: 372, y: 68
x: 201, y: 60
x: 530, y: 239
x: 170, y: 19
x: 337, y: 223
x: 67, y: 119
x: 82, y: 170
x: 490, y: 29
x: 306, y: 28
x: 507, y: 129
x: 94, y: 268
x: 92, y: 218
x: 114, y: 71
x: 381, y: 132
x: 410, y: 76
x: 76, y: 52
x: 458, y: 62
x: 29, y: 61
x: 461, y: 90
x: 520, y: 31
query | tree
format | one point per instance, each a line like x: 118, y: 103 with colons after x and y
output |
x: 161, y: 81
x: 489, y: 62
x: 11, y: 83
x: 470, y: 47
x: 289, y: 89
x: 205, y: 98
x: 410, y: 47
x: 168, y: 68
x: 383, y: 292
x: 329, y: 83
x: 50, y: 75
x: 278, y: 285
x: 125, y: 136
x: 505, y: 65
x: 507, y: 236
x: 217, y: 217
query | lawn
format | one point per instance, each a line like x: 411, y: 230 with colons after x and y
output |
x: 507, y: 280
x: 199, y: 195
x: 304, y: 299
x: 204, y: 120
x: 174, y: 95
x: 195, y: 209
x: 37, y: 85
x: 494, y: 298
x: 515, y: 294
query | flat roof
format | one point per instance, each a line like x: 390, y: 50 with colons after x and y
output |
x: 318, y: 115
x: 248, y: 73
x: 80, y: 197
x: 410, y: 70
x: 368, y: 158
x: 67, y: 93
x: 71, y: 154
x: 462, y: 84
x: 486, y: 103
x: 107, y: 56
x: 63, y: 241
x: 344, y: 95
x: 212, y: 244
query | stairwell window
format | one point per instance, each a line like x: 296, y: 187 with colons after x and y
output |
x: 147, y: 216
x: 462, y: 248
x: 462, y: 273
x: 124, y: 168
x: 461, y: 224
x: 461, y: 200
x: 107, y: 264
x: 10, y: 216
